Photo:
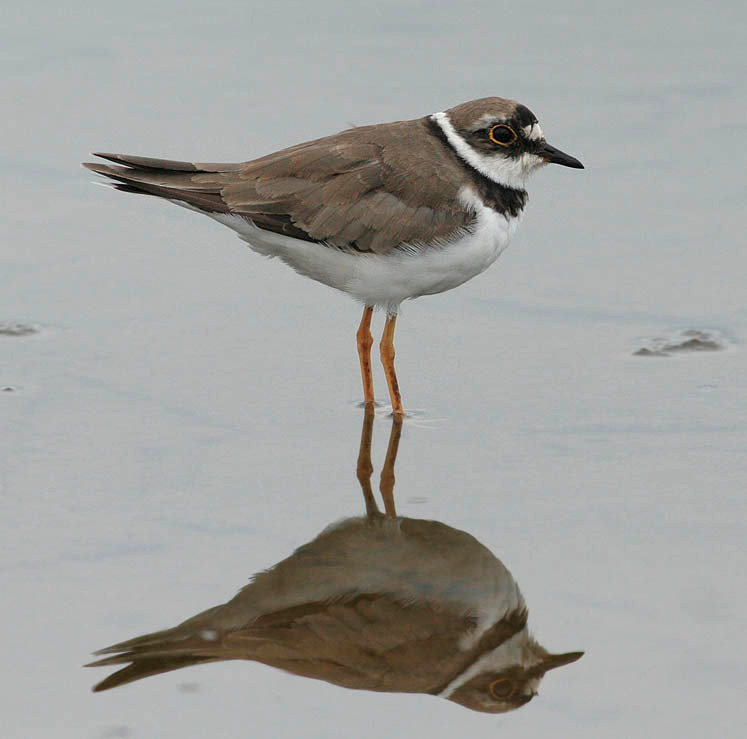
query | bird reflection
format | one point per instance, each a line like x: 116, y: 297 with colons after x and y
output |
x: 376, y: 602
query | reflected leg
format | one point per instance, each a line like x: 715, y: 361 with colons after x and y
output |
x: 387, y: 359
x: 386, y: 484
x: 365, y: 341
x: 365, y: 468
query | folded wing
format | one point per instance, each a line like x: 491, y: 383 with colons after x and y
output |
x: 371, y: 188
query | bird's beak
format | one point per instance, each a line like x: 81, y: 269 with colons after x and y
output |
x: 558, y: 660
x: 555, y: 156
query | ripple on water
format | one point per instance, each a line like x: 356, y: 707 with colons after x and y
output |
x: 13, y: 328
x: 684, y: 341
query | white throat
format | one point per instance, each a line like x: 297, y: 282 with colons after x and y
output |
x: 508, y: 171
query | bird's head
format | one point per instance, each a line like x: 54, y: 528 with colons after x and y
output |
x: 492, y: 686
x: 501, y: 139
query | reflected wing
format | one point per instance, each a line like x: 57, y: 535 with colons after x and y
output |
x: 364, y: 188
x: 369, y: 642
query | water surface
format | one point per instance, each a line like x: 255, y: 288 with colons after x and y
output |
x: 184, y: 413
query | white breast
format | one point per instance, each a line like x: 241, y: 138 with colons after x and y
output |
x: 386, y: 280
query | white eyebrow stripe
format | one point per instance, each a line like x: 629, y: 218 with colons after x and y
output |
x: 533, y: 132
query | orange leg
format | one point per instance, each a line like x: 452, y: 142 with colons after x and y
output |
x: 365, y: 341
x: 387, y: 359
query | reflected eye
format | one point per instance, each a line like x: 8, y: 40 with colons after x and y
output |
x: 502, y: 135
x: 503, y: 688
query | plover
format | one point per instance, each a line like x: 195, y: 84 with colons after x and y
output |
x: 385, y: 212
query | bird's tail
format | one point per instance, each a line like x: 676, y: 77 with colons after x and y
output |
x: 140, y: 667
x: 190, y: 643
x: 195, y: 184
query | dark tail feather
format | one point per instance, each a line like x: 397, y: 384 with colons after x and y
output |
x: 171, y: 184
x: 170, y: 165
x: 193, y: 184
x: 189, y: 643
x: 145, y: 667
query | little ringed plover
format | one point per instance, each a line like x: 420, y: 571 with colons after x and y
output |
x: 385, y: 213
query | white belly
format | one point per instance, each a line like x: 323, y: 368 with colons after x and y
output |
x: 386, y: 280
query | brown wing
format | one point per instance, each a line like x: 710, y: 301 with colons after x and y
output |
x: 368, y: 642
x: 371, y: 188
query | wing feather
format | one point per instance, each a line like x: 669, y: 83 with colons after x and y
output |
x: 363, y: 188
x: 370, y: 642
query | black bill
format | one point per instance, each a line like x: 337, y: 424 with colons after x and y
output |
x: 555, y: 156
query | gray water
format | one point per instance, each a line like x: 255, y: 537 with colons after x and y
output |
x: 182, y: 413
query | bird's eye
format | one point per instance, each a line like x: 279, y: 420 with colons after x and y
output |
x: 503, y: 688
x: 502, y: 135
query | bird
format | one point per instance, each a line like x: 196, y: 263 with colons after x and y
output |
x: 377, y: 602
x: 385, y: 213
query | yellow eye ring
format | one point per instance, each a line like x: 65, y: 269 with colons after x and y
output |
x: 502, y: 135
x: 502, y: 689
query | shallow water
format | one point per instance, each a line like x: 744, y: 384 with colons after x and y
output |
x: 184, y: 413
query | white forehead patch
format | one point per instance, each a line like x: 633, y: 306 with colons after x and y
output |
x: 483, y: 121
x: 533, y: 132
x: 509, y: 171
